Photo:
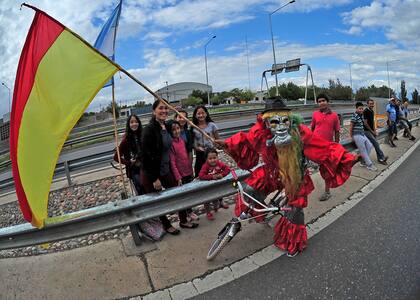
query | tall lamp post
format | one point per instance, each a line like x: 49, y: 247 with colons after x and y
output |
x: 9, y: 92
x: 387, y: 70
x: 207, y: 74
x: 272, y: 41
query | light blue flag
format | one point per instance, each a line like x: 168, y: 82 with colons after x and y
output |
x: 105, y: 43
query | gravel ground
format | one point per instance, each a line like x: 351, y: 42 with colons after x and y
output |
x: 77, y: 198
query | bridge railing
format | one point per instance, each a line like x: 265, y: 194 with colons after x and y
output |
x: 129, y: 211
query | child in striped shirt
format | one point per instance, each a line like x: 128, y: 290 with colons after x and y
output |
x: 357, y: 133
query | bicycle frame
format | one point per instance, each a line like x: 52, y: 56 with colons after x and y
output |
x: 265, y: 209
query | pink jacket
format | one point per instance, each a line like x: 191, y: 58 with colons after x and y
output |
x: 180, y: 162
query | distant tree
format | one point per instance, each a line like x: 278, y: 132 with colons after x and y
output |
x: 109, y: 109
x: 139, y: 104
x: 192, y: 101
x: 364, y: 93
x: 337, y: 91
x: 415, y: 97
x: 199, y: 94
x: 403, y: 91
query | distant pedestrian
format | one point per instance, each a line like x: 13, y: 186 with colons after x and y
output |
x: 130, y: 151
x: 357, y: 134
x: 180, y: 165
x: 325, y: 123
x: 202, y: 119
x: 370, y: 130
x: 391, y: 113
x: 213, y: 169
x: 405, y: 123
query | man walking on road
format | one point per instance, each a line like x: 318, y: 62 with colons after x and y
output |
x: 326, y: 124
x: 370, y: 130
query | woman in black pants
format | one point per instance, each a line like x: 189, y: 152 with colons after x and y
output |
x: 156, y: 143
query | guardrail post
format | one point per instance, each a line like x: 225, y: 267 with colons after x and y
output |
x: 67, y: 170
x: 136, y: 234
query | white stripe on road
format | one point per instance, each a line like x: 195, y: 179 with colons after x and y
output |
x: 246, y: 265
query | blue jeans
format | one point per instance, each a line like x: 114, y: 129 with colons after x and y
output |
x: 379, y: 154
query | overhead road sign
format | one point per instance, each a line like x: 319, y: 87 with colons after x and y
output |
x: 292, y: 65
x: 277, y: 68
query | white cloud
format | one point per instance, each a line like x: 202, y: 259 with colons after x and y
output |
x: 160, y: 19
x: 398, y: 18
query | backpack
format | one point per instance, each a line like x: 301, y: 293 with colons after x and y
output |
x: 152, y: 229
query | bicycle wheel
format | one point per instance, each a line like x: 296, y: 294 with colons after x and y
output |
x: 221, y: 241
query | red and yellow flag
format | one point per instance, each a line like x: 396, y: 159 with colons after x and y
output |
x: 58, y: 76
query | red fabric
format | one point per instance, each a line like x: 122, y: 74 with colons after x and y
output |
x: 246, y: 148
x: 42, y: 34
x: 180, y: 161
x: 334, y: 160
x: 290, y: 237
x: 207, y: 172
x: 325, y: 124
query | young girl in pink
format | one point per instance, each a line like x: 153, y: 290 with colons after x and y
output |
x: 213, y: 169
x: 180, y: 165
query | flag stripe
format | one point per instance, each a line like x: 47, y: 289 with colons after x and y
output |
x: 41, y: 36
x: 58, y: 76
x: 52, y: 109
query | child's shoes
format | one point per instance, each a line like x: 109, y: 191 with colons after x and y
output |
x: 210, y: 216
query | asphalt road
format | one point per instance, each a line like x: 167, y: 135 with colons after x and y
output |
x: 371, y: 252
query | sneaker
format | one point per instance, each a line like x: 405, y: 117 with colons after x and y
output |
x: 412, y: 138
x: 325, y: 196
x: 292, y: 254
x: 224, y: 205
x: 372, y: 168
x: 362, y: 164
x: 210, y: 216
x: 382, y: 162
x: 193, y: 217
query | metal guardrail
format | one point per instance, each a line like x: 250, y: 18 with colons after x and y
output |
x: 127, y: 212
x: 78, y: 164
x: 121, y: 122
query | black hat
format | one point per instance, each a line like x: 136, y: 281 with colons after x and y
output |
x: 275, y: 103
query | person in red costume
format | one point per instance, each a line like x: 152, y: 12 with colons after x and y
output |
x: 284, y: 144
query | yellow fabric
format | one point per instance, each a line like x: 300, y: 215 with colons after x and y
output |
x: 68, y: 78
x: 271, y: 114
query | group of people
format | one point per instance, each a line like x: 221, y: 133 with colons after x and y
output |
x: 326, y: 123
x: 160, y: 156
x: 397, y: 114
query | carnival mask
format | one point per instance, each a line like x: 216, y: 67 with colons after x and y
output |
x: 279, y: 126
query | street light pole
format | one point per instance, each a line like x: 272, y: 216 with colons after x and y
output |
x: 272, y: 41
x: 387, y: 70
x: 207, y: 74
x: 389, y: 85
x: 9, y: 92
x: 351, y: 83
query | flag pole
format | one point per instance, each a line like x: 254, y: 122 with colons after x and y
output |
x: 114, y: 117
x: 124, y: 71
x: 164, y: 101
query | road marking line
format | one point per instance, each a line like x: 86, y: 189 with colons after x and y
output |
x: 244, y: 266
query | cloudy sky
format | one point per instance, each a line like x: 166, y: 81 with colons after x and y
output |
x: 163, y: 40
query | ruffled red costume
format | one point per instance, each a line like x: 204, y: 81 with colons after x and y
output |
x: 246, y: 148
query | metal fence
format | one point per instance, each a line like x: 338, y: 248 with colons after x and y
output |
x: 98, y: 158
x: 127, y: 212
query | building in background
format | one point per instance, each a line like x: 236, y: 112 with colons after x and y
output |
x: 174, y: 93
